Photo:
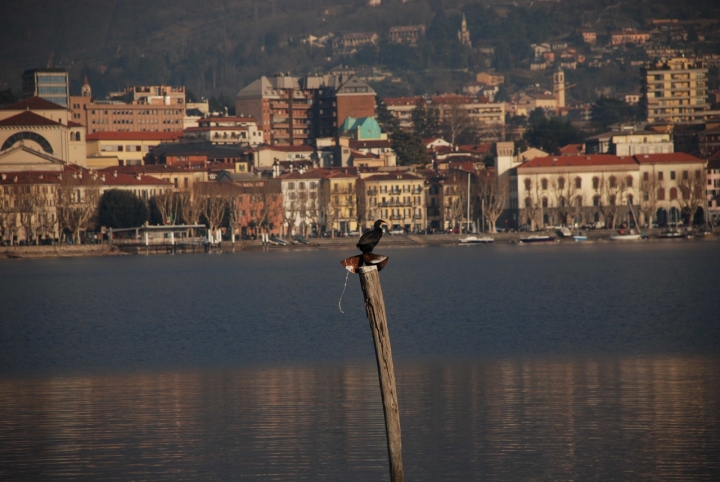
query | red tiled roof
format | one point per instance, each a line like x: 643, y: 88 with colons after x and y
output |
x: 133, y: 136
x: 227, y: 119
x: 215, y: 128
x: 34, y: 103
x: 370, y: 144
x: 675, y: 157
x: 303, y: 148
x: 74, y: 124
x: 405, y: 176
x: 571, y: 149
x: 476, y: 148
x: 28, y: 118
x: 127, y: 180
x: 575, y: 161
x: 395, y: 101
x: 311, y: 174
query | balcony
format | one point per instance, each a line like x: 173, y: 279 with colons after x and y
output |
x: 372, y: 192
x: 397, y: 217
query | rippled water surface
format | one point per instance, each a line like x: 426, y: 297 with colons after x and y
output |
x: 595, y: 362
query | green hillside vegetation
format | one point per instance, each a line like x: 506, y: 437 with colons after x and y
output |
x: 218, y: 46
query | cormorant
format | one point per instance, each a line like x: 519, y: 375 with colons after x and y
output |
x: 370, y: 239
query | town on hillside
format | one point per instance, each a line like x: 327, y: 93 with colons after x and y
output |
x: 326, y: 154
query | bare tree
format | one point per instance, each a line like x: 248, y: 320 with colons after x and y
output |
x: 693, y: 195
x: 270, y: 208
x: 454, y: 204
x: 455, y: 120
x: 168, y: 203
x: 214, y: 201
x: 191, y: 204
x: 648, y: 196
x: 328, y: 203
x: 614, y: 188
x: 494, y: 193
x: 530, y: 205
x: 563, y: 191
x: 77, y: 200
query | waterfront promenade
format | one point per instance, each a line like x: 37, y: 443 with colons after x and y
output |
x: 60, y: 251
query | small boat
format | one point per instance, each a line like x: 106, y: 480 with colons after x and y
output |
x: 672, y: 233
x: 277, y: 241
x: 301, y: 239
x: 623, y: 235
x: 564, y: 232
x: 537, y: 239
x: 579, y: 237
x: 476, y: 240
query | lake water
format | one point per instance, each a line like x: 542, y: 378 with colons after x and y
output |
x: 564, y: 362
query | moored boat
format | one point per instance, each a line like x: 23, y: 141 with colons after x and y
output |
x: 579, y: 237
x: 476, y: 240
x: 538, y: 238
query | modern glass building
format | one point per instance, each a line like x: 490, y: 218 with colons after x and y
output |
x: 49, y: 84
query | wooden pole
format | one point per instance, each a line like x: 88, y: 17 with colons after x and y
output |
x: 375, y: 308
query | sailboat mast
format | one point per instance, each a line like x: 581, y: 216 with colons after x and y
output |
x: 468, y: 206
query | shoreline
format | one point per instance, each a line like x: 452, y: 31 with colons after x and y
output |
x: 89, y: 250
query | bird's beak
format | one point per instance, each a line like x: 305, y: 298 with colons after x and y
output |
x: 385, y: 223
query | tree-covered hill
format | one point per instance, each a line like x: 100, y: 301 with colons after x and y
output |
x: 218, y: 46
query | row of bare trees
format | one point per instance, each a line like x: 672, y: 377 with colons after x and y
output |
x: 256, y: 208
x: 611, y: 194
x: 34, y: 212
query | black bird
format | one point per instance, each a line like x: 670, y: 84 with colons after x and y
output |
x: 369, y: 240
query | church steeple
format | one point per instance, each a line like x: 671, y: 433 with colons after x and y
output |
x: 86, y: 91
x: 464, y: 34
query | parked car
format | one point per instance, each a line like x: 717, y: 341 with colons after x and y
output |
x: 397, y: 231
x: 354, y: 234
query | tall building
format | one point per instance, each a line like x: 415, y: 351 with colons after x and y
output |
x: 49, y: 84
x: 295, y: 111
x: 676, y: 90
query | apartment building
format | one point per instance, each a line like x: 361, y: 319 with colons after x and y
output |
x: 676, y: 90
x: 225, y: 130
x: 147, y: 109
x: 296, y: 111
x: 398, y: 198
x: 306, y: 201
x: 124, y: 148
x: 484, y: 114
x: 628, y: 35
x: 409, y: 34
x: 401, y: 108
x: 342, y: 211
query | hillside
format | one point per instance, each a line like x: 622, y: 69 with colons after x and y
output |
x: 218, y: 46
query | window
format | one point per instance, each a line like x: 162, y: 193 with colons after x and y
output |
x: 672, y: 175
x: 673, y: 194
x: 629, y: 181
x: 544, y: 202
x: 660, y: 176
x: 544, y: 184
x: 528, y: 183
x: 578, y: 183
x: 595, y: 183
x: 661, y: 194
x: 685, y: 175
x: 301, y: 185
x: 613, y: 182
x: 561, y: 183
x: 291, y: 185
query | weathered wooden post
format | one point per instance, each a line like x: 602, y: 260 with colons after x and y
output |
x: 375, y: 309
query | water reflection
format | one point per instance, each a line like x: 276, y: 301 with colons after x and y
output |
x: 511, y: 419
